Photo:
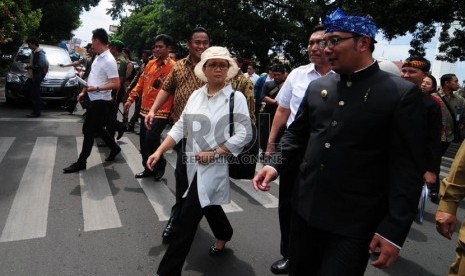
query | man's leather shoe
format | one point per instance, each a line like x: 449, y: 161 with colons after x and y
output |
x: 215, y: 251
x: 434, y: 197
x: 169, y: 232
x: 113, y: 154
x: 121, y: 131
x: 33, y: 115
x: 280, y: 266
x: 145, y: 173
x: 75, y: 167
x: 130, y: 127
x: 159, y: 174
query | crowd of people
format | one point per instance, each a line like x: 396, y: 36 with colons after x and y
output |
x: 357, y: 141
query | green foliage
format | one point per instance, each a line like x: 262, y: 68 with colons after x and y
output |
x: 60, y: 18
x: 17, y: 20
x: 138, y: 30
x: 261, y: 29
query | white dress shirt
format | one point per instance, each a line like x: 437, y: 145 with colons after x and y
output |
x: 291, y: 94
x: 103, y: 69
x: 205, y: 124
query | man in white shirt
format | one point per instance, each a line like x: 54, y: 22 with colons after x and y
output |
x: 102, y: 79
x: 251, y: 73
x: 289, y: 99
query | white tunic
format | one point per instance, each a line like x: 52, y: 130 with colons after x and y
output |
x: 205, y: 124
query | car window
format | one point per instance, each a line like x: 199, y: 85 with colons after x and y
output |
x: 24, y: 55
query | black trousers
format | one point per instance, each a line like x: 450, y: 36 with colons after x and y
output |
x: 136, y: 115
x: 191, y: 214
x: 182, y: 183
x: 315, y: 252
x: 34, y: 90
x: 150, y: 141
x: 113, y: 124
x: 94, y: 123
x: 286, y: 187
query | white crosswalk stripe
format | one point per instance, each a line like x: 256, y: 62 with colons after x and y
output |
x: 5, y: 144
x: 158, y: 194
x: 28, y: 214
x: 98, y: 207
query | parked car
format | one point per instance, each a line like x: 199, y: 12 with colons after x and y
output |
x: 60, y: 83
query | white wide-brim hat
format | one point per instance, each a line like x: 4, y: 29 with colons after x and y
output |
x: 216, y: 52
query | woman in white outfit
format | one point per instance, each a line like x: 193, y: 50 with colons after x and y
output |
x: 205, y: 124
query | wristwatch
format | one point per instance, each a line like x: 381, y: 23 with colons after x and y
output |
x: 216, y: 155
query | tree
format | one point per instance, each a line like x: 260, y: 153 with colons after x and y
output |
x: 255, y: 28
x: 17, y: 20
x: 60, y: 18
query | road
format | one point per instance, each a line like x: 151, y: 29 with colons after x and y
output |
x: 103, y: 221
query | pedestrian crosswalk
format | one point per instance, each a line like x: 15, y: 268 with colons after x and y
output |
x: 28, y: 214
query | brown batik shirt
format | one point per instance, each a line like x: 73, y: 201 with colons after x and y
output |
x: 181, y: 82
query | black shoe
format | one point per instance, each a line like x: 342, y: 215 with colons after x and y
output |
x: 75, y: 167
x: 159, y: 174
x: 434, y: 197
x: 113, y: 154
x: 145, y: 173
x: 121, y: 131
x: 169, y: 232
x: 280, y: 266
x: 130, y: 127
x: 213, y: 251
x: 33, y: 115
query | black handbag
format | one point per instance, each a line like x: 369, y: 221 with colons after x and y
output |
x: 242, y: 166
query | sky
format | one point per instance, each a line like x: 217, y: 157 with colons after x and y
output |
x: 394, y: 50
x: 95, y: 18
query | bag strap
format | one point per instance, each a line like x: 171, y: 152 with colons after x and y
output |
x: 450, y: 109
x: 231, y: 115
x: 276, y: 89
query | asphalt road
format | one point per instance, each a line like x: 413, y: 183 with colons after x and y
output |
x: 51, y: 226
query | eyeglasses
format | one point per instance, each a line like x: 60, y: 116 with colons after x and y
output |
x: 214, y: 66
x: 333, y: 41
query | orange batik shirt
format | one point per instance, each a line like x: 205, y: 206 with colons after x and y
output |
x: 149, y: 85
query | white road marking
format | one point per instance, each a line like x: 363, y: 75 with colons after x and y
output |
x: 98, y: 207
x: 5, y: 144
x: 29, y: 212
x: 158, y: 194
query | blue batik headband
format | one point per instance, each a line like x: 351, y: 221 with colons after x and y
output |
x: 337, y: 21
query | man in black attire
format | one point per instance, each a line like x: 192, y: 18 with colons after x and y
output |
x: 102, y: 79
x: 39, y: 68
x: 415, y: 69
x: 362, y: 134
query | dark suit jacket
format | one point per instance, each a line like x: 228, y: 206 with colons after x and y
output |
x: 363, y: 138
x: 433, y: 144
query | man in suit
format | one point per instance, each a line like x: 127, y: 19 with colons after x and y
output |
x: 362, y: 134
